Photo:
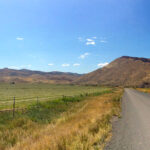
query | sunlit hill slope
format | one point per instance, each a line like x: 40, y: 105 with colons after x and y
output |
x: 124, y: 71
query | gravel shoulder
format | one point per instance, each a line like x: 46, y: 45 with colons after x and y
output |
x: 132, y: 131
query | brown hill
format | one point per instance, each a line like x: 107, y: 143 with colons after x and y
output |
x: 10, y: 75
x: 124, y: 71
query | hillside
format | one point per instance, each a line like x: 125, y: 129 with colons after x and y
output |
x: 10, y: 75
x: 124, y: 71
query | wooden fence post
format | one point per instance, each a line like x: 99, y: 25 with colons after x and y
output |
x: 37, y: 101
x: 14, y: 107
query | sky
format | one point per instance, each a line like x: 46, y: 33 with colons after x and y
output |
x: 72, y: 35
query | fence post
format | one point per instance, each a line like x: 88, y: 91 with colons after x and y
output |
x: 37, y: 101
x: 14, y: 107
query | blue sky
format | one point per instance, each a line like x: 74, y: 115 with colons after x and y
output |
x: 72, y: 35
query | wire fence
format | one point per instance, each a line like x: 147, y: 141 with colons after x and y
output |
x: 15, y: 103
x: 20, y: 104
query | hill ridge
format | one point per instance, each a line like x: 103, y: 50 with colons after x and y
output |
x: 137, y: 58
x: 25, y: 75
x: 123, y: 71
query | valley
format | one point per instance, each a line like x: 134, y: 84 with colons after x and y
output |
x: 66, y: 111
x: 68, y: 122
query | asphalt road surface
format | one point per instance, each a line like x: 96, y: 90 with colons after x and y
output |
x: 132, y: 131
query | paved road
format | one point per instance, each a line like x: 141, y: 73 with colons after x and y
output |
x: 132, y: 131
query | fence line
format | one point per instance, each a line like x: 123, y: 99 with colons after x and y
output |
x: 16, y: 101
x: 39, y: 98
x: 14, y: 107
x: 35, y: 98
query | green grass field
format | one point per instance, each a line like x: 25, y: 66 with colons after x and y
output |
x: 26, y: 94
x: 52, y: 106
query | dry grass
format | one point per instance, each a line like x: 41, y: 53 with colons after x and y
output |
x: 86, y: 127
x: 145, y: 90
x: 26, y: 94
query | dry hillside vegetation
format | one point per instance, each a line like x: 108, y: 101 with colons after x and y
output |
x: 124, y: 71
x: 86, y: 126
x: 145, y: 90
x: 21, y: 76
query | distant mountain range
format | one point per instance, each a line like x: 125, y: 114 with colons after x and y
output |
x: 124, y: 71
x: 20, y: 76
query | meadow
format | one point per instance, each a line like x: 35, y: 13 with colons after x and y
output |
x: 28, y: 94
x: 79, y: 121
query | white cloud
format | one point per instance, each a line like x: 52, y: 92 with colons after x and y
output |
x: 76, y: 65
x: 65, y: 65
x: 50, y: 64
x: 102, y: 64
x: 90, y: 42
x: 20, y: 38
x: 84, y: 55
